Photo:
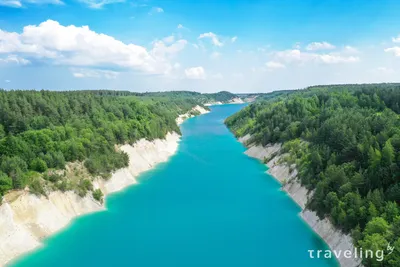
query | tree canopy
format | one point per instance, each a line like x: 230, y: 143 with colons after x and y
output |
x: 41, y: 131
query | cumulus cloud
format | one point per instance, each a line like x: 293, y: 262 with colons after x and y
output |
x: 21, y: 3
x: 274, y: 65
x: 196, y: 73
x: 80, y: 46
x: 7, y: 81
x: 320, y: 46
x: 214, y: 38
x: 394, y: 50
x: 233, y: 39
x: 92, y: 73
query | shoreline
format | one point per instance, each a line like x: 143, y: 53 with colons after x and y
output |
x: 287, y: 177
x: 236, y: 100
x: 26, y: 219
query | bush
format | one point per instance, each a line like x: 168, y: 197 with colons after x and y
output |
x: 36, y: 188
x: 98, y: 195
x: 63, y: 186
x: 84, y: 186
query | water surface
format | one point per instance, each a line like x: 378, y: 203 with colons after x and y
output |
x: 209, y: 205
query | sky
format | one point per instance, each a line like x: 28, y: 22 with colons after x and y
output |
x: 235, y: 45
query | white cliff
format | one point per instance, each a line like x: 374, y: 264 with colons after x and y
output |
x: 181, y: 118
x: 287, y: 176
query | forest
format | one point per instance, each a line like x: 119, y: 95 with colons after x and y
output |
x: 345, y: 142
x: 42, y: 131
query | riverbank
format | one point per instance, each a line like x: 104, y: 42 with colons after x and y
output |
x: 236, y: 100
x: 26, y: 219
x: 287, y: 176
x: 197, y: 109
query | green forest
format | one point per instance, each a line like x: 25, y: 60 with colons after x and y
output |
x: 42, y: 131
x: 345, y: 142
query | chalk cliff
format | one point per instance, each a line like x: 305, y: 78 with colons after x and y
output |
x: 287, y: 176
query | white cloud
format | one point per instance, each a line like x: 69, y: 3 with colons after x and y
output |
x: 21, y: 3
x: 11, y: 3
x: 233, y: 39
x: 274, y: 65
x: 297, y: 56
x: 394, y: 50
x: 93, y: 73
x: 15, y: 59
x: 7, y: 81
x: 196, y: 73
x: 79, y: 46
x: 214, y: 38
x: 320, y: 46
x: 396, y: 39
x: 161, y: 50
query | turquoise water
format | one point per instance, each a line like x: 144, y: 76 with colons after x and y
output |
x: 209, y: 205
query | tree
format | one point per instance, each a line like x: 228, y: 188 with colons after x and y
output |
x: 2, y: 132
x: 38, y: 165
x: 388, y: 154
x: 5, y: 184
x: 377, y: 225
x: 375, y: 157
x: 373, y: 242
x: 391, y: 211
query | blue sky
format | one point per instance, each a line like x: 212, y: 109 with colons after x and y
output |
x: 235, y: 45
